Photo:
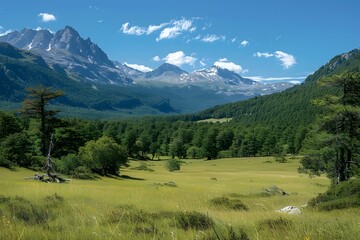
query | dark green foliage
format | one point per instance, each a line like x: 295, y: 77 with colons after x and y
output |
x: 194, y: 220
x: 343, y: 195
x: 15, y: 148
x: 103, y: 156
x: 336, y: 135
x: 173, y: 165
x: 228, y: 203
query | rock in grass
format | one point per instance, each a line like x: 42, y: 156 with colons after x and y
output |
x: 289, y: 210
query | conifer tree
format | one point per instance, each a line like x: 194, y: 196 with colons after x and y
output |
x: 35, y: 106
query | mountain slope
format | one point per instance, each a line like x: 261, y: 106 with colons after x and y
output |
x: 20, y: 69
x: 67, y: 51
x: 290, y: 108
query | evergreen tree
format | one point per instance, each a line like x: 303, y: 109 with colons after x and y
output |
x: 341, y: 123
x: 35, y: 105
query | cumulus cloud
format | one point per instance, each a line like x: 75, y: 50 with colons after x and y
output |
x: 244, y: 43
x: 179, y: 58
x: 226, y: 64
x: 176, y: 29
x: 141, y: 68
x: 47, y: 17
x: 287, y: 60
x: 212, y: 38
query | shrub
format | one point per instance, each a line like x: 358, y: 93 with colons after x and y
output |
x: 343, y: 195
x: 83, y: 172
x: 173, y: 165
x: 143, y: 167
x: 194, y: 220
x: 225, y: 154
x: 228, y: 203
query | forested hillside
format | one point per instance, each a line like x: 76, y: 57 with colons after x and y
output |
x: 269, y: 125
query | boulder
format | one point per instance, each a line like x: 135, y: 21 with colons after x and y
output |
x: 289, y: 210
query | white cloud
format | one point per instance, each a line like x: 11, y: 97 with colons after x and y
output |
x: 93, y: 7
x: 233, y: 40
x: 179, y: 58
x: 265, y: 54
x: 47, y: 17
x: 156, y: 59
x: 212, y: 38
x: 153, y: 28
x: 177, y: 28
x: 202, y: 62
x: 141, y: 68
x: 134, y: 30
x: 261, y: 78
x: 244, y: 43
x: 226, y: 64
x: 287, y: 60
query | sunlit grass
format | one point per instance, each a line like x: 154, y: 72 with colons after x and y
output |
x: 89, y: 205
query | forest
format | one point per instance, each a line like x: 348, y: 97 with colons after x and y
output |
x: 86, y: 147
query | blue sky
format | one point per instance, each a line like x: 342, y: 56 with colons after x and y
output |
x: 264, y: 39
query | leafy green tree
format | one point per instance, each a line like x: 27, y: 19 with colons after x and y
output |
x: 35, y: 105
x: 9, y: 124
x: 340, y: 125
x: 194, y: 152
x: 209, y: 147
x: 103, y: 156
x: 16, y: 149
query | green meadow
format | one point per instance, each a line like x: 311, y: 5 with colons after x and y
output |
x: 149, y: 202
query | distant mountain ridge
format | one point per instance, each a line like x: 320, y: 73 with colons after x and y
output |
x: 85, y: 66
x: 67, y: 51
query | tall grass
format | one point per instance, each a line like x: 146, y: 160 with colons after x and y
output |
x: 142, y: 206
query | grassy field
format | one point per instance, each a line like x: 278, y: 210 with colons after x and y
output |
x: 147, y: 204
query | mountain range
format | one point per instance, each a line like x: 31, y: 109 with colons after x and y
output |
x: 90, y: 80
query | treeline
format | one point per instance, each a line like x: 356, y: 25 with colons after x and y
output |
x: 141, y: 138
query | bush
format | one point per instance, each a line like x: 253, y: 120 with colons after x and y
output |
x: 143, y: 167
x: 227, y: 203
x: 343, y: 195
x: 194, y: 220
x: 83, y: 172
x: 173, y: 165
